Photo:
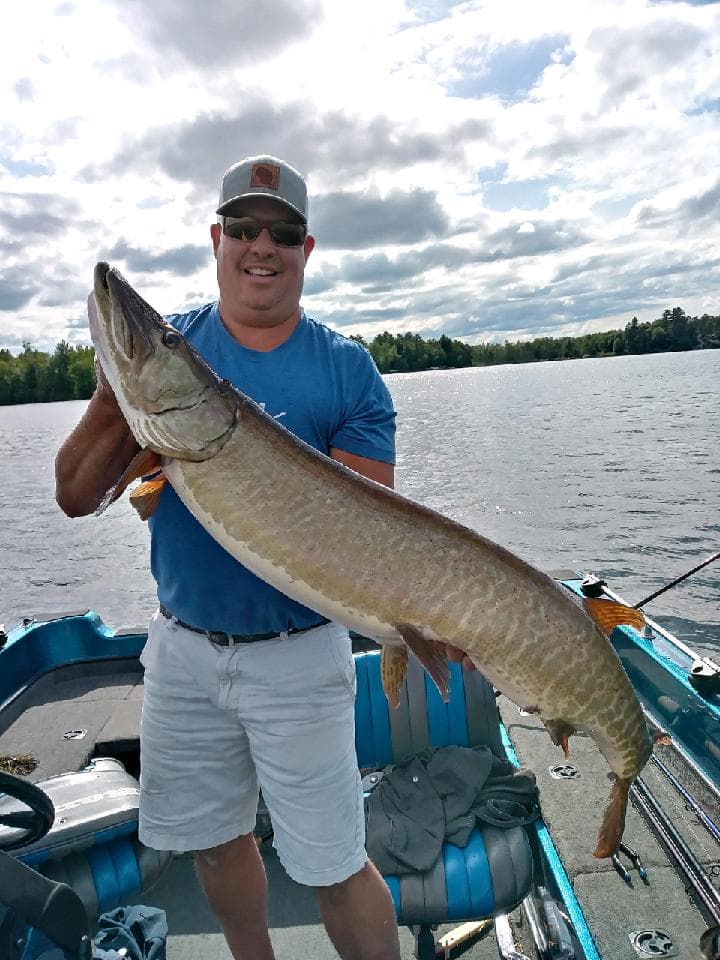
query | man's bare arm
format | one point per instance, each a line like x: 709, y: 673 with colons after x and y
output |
x: 372, y: 469
x: 94, y: 456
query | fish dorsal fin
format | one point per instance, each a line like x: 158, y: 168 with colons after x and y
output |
x: 143, y: 463
x: 609, y: 614
x: 146, y: 497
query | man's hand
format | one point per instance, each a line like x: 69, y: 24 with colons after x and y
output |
x: 102, y: 384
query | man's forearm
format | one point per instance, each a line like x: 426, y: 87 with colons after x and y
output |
x: 93, y: 457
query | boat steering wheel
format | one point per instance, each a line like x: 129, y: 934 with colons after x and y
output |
x: 34, y: 822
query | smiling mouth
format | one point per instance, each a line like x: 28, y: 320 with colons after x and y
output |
x: 260, y: 272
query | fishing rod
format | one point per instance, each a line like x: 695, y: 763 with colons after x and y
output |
x: 687, y: 862
x: 677, y: 580
x: 709, y: 824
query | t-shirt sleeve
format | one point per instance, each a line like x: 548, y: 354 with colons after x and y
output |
x: 177, y: 320
x: 368, y: 426
x: 184, y: 321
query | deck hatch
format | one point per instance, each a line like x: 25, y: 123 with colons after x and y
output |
x: 652, y: 943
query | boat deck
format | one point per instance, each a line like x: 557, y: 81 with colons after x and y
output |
x: 98, y: 704
x: 572, y: 810
x: 75, y: 712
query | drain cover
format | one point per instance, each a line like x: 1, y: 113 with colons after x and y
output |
x: 652, y: 943
x: 564, y: 771
x: 74, y: 734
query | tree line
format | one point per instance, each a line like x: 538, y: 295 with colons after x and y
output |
x: 68, y: 373
x: 37, y: 377
x: 674, y: 330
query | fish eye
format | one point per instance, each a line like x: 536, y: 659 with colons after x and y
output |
x: 171, y: 338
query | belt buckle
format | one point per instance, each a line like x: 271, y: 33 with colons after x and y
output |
x: 221, y: 638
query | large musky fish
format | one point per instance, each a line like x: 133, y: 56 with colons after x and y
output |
x: 383, y: 565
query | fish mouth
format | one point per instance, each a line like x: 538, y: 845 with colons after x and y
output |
x: 131, y: 319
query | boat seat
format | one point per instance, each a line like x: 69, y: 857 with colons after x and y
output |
x: 92, y: 846
x: 39, y: 918
x: 494, y: 872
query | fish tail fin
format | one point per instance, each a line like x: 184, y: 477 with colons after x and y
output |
x: 613, y: 823
x: 393, y: 669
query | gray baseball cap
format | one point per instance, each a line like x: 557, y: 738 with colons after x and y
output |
x: 263, y: 177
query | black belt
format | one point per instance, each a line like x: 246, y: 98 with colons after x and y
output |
x: 228, y: 639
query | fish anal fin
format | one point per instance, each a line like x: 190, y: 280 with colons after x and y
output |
x: 560, y: 732
x: 613, y: 823
x: 430, y: 654
x: 393, y: 669
x: 608, y: 614
x: 143, y: 463
x: 146, y: 497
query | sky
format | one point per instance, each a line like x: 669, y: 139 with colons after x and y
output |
x: 488, y: 170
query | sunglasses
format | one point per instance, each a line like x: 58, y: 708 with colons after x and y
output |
x: 282, y: 233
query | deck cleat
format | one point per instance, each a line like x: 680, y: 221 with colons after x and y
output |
x: 704, y: 676
x: 564, y: 771
x: 593, y: 586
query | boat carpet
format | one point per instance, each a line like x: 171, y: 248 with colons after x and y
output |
x: 572, y: 809
x: 75, y: 712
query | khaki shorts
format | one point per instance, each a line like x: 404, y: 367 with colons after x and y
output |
x: 220, y: 723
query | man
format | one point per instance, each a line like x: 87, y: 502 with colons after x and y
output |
x: 266, y: 698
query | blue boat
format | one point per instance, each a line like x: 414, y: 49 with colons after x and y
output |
x: 70, y: 701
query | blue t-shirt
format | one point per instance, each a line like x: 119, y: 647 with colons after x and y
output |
x: 322, y: 387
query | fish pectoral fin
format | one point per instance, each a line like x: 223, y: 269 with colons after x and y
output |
x: 609, y: 614
x: 143, y: 463
x: 430, y: 654
x: 560, y: 732
x: 393, y: 669
x: 613, y: 823
x: 146, y: 497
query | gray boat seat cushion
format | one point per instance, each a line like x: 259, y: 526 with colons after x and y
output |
x: 92, y: 845
x: 493, y: 872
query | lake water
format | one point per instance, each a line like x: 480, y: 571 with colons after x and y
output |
x: 608, y: 466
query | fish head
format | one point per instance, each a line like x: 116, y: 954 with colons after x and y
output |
x: 173, y: 401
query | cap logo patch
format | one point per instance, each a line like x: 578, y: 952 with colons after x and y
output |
x: 265, y: 175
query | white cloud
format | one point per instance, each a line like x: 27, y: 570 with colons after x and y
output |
x: 485, y: 169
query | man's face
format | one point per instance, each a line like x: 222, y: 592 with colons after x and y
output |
x: 260, y: 282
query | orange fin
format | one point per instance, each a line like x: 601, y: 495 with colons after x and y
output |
x: 613, y: 823
x: 609, y: 614
x: 661, y: 739
x: 430, y: 655
x: 560, y: 732
x: 146, y: 497
x: 143, y: 463
x: 393, y: 668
